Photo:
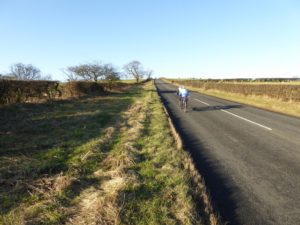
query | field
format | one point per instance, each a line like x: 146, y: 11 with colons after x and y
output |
x: 274, y: 96
x: 96, y: 160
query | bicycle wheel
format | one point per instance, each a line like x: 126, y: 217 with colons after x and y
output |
x: 180, y: 103
x: 185, y: 105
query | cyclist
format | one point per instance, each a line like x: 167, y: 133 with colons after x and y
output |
x: 183, y: 95
x: 178, y: 91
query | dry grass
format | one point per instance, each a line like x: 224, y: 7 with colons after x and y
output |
x: 264, y: 102
x: 281, y: 83
x: 48, y: 149
x: 196, y: 179
x: 103, y: 203
x: 126, y: 170
x: 164, y: 191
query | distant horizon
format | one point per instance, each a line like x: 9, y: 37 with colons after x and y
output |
x: 204, y: 77
x: 218, y: 77
x: 64, y: 77
x: 174, y: 38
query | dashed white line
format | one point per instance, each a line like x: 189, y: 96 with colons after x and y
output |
x: 240, y: 117
x: 201, y: 101
x: 250, y: 121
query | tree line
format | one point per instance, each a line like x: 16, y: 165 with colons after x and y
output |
x: 95, y: 72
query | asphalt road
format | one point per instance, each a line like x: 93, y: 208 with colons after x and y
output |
x: 250, y: 158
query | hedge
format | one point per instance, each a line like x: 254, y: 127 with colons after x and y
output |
x: 285, y: 92
x: 81, y: 88
x: 17, y: 91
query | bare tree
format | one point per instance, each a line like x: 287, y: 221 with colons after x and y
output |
x: 148, y: 74
x: 111, y: 75
x: 21, y: 71
x: 110, y: 72
x: 90, y: 71
x: 134, y: 69
x: 47, y: 77
x: 71, y: 75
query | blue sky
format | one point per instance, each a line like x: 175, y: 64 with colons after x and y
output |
x: 175, y: 38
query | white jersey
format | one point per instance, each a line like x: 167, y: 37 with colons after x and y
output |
x: 179, y: 90
x: 184, y: 93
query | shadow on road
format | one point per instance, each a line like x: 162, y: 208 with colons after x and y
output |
x: 220, y: 188
x: 167, y: 91
x: 219, y: 107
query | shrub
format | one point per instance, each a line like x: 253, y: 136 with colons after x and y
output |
x: 285, y: 92
x: 17, y: 91
x: 81, y: 88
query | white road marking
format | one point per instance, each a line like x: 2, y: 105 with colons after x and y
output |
x: 201, y: 102
x: 250, y: 121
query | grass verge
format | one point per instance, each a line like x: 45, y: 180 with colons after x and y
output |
x: 49, y: 151
x: 97, y: 160
x: 164, y: 191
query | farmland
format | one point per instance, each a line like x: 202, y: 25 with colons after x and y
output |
x: 275, y: 96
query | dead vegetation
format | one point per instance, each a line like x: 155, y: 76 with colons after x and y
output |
x: 200, y: 194
x: 283, y: 92
x: 102, y: 203
x: 283, y: 98
x: 129, y: 173
x: 49, y: 152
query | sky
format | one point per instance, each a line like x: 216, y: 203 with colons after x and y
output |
x: 174, y: 38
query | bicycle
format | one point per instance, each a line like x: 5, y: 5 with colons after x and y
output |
x: 183, y: 103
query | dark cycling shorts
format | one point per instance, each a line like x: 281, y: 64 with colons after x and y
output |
x: 184, y: 98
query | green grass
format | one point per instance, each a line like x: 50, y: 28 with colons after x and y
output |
x: 39, y: 140
x: 164, y: 193
x: 96, y: 160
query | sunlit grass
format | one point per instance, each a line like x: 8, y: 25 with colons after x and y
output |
x: 95, y: 160
x: 264, y: 102
x: 39, y: 140
x: 289, y: 108
x: 162, y: 194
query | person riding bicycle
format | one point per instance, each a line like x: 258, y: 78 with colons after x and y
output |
x: 183, y: 98
x: 184, y: 93
x: 178, y: 91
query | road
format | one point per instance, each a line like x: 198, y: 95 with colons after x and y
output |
x: 249, y: 157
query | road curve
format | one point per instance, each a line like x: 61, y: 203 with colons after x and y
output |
x: 249, y: 158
